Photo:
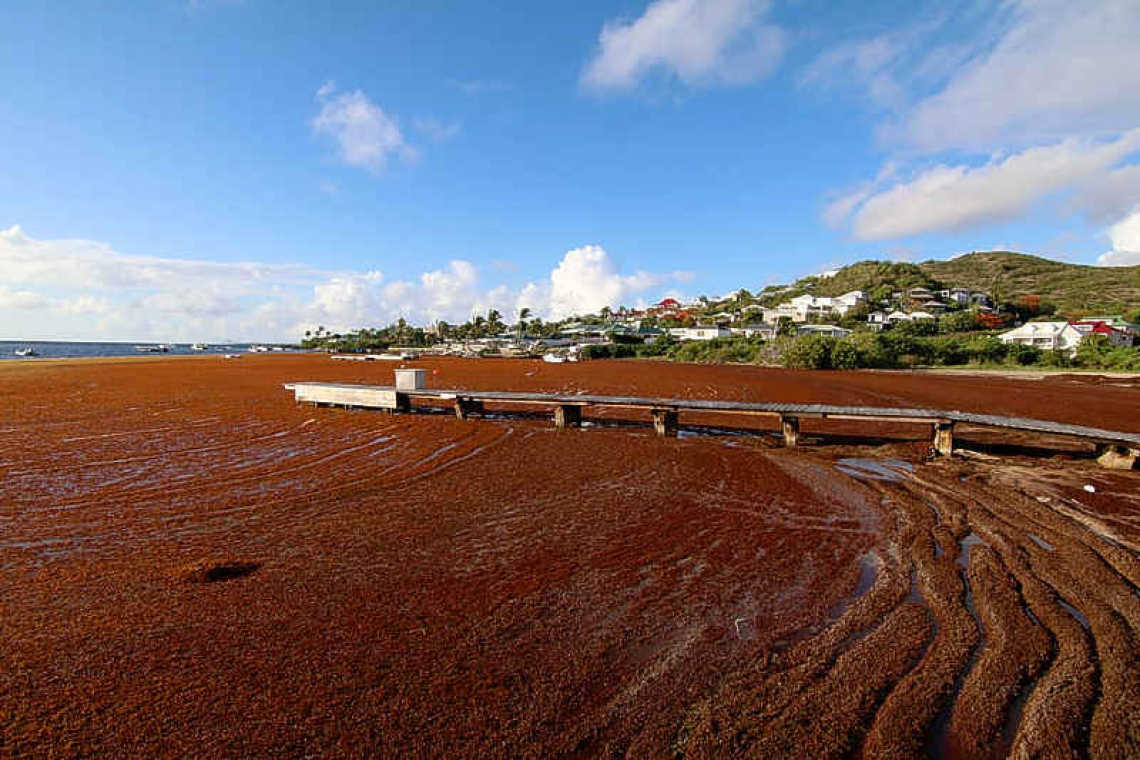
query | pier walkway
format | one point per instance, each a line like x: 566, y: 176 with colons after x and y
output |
x: 567, y: 410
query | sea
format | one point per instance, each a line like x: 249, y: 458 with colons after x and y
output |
x: 50, y: 349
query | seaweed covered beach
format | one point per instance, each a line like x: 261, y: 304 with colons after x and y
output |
x: 193, y: 565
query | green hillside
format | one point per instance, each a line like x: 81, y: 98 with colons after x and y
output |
x: 1075, y: 289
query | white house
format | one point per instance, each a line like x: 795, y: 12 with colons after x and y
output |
x: 807, y: 307
x: 761, y: 329
x: 898, y: 316
x: 1048, y: 336
x: 700, y: 332
x: 831, y: 331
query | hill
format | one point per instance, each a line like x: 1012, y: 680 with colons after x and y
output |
x: 1075, y: 289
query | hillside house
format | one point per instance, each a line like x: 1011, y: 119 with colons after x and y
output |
x: 830, y: 331
x: 1115, y: 337
x: 1116, y: 321
x: 807, y: 308
x: 1047, y: 336
x: 700, y: 332
x: 757, y: 329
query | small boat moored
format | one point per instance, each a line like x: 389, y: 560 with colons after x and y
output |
x: 28, y: 351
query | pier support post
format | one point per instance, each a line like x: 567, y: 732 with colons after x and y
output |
x: 944, y: 437
x: 1116, y: 457
x: 465, y: 407
x: 403, y: 402
x: 791, y: 429
x: 665, y: 422
x: 567, y: 416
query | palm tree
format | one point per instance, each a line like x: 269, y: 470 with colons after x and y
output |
x: 494, y: 321
x: 524, y: 312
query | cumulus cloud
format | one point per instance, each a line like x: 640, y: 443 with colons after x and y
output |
x: 364, y: 134
x: 700, y: 42
x: 587, y: 279
x: 79, y: 289
x: 1125, y: 239
x: 961, y: 197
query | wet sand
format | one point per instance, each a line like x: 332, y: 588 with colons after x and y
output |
x: 192, y: 565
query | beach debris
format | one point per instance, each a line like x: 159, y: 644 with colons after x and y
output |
x: 208, y: 571
x: 1090, y: 488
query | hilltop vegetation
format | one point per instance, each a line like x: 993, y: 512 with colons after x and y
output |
x: 1075, y: 289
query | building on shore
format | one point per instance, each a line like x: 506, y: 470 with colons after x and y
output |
x: 1047, y: 336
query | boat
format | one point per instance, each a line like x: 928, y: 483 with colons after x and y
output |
x: 553, y: 358
x: 29, y: 351
x: 160, y: 348
x: 259, y: 349
x: 199, y: 347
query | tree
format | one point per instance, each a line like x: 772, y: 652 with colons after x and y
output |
x: 524, y: 312
x: 494, y: 321
x: 810, y: 352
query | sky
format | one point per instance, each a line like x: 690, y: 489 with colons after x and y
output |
x: 224, y: 170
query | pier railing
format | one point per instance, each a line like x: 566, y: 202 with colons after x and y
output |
x: 567, y: 412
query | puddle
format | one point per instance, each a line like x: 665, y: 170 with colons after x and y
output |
x: 971, y: 539
x: 1084, y: 621
x: 892, y: 470
x: 868, y: 573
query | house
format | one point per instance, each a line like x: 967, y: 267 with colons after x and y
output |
x: 830, y: 331
x: 760, y: 329
x: 1117, y: 321
x: 956, y: 295
x: 919, y: 295
x: 1115, y: 337
x: 897, y: 316
x: 921, y: 315
x: 806, y: 308
x: 877, y: 320
x: 977, y: 298
x: 1047, y: 336
x: 700, y: 332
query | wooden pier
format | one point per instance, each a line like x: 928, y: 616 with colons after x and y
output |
x: 1118, y: 448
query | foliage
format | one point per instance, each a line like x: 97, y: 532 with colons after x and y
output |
x: 1072, y: 289
x: 810, y: 352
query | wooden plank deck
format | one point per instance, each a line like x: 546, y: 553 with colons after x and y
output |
x: 666, y: 410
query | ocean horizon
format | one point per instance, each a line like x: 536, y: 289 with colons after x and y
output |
x: 59, y: 349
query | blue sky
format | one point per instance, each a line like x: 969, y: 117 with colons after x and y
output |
x: 214, y: 170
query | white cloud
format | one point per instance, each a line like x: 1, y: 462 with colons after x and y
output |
x: 587, y: 279
x: 701, y: 42
x: 22, y: 299
x: 365, y: 135
x: 1125, y: 239
x: 85, y: 290
x: 1061, y: 68
x: 960, y: 197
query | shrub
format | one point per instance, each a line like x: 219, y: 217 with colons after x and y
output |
x: 810, y: 352
x: 845, y: 355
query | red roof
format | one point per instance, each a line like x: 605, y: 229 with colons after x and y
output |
x: 1099, y: 328
x: 669, y: 303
